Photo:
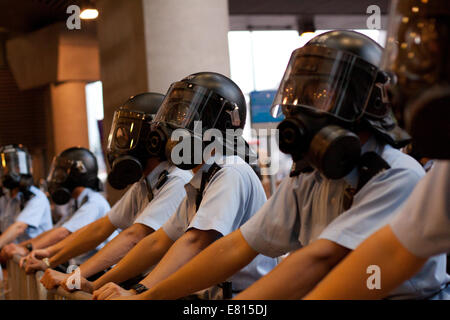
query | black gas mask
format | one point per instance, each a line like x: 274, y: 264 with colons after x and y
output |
x: 417, y: 52
x: 74, y: 167
x: 127, y: 147
x: 180, y: 128
x: 323, y: 95
x: 15, y: 170
x: 310, y: 137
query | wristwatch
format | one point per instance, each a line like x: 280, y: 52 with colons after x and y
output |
x: 139, y: 288
x: 29, y: 246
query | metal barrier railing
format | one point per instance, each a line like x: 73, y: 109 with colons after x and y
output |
x: 22, y: 286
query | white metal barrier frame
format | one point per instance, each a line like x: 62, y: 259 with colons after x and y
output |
x: 22, y: 286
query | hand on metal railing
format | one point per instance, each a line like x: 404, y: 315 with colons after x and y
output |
x: 69, y: 282
x: 52, y: 278
x: 11, y: 249
x: 26, y: 287
x: 40, y: 253
x: 112, y: 291
x: 32, y: 265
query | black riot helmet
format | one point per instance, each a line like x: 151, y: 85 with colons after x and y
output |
x: 16, y: 168
x: 196, y: 104
x: 332, y: 88
x: 74, y: 167
x: 417, y: 54
x: 127, y: 150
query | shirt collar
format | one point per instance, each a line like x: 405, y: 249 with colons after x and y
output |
x: 153, y: 177
x: 196, y: 180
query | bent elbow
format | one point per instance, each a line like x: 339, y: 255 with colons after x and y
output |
x: 137, y: 232
x: 201, y: 238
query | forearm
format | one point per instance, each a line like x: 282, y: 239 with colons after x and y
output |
x: 213, y: 265
x: 63, y: 243
x: 114, y: 250
x: 84, y: 240
x: 349, y: 279
x: 138, y: 260
x: 13, y: 231
x: 183, y: 250
x: 24, y: 243
x: 50, y: 238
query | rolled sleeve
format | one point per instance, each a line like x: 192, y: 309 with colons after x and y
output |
x: 176, y: 225
x: 165, y: 203
x: 123, y: 212
x: 273, y: 230
x: 373, y: 207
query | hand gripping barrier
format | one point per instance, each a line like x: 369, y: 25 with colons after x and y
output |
x: 22, y: 286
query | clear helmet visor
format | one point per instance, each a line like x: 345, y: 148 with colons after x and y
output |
x: 60, y: 169
x: 125, y: 130
x: 186, y: 104
x: 14, y: 162
x: 325, y: 80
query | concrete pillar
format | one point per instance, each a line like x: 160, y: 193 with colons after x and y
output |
x: 63, y: 62
x: 69, y: 118
x: 145, y: 45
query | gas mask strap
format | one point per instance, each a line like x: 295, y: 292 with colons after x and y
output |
x: 149, y: 190
x: 300, y: 167
x: 206, y: 178
x: 370, y: 164
x: 162, y: 179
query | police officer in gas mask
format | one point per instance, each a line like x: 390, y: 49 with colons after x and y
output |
x: 129, y: 139
x: 73, y: 180
x: 24, y: 209
x: 190, y: 130
x: 194, y: 107
x: 155, y: 190
x: 416, y: 55
x: 331, y: 91
x: 338, y: 124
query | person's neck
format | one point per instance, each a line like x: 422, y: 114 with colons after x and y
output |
x: 77, y: 191
x: 152, y: 163
x: 195, y: 169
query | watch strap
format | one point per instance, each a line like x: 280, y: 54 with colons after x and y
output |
x: 139, y: 288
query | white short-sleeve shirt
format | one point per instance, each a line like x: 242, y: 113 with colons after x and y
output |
x: 88, y: 207
x: 35, y: 213
x: 135, y: 207
x: 232, y: 196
